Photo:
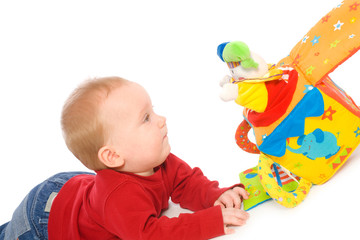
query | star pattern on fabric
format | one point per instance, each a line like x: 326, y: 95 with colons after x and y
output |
x: 337, y: 26
x: 357, y: 132
x: 304, y: 39
x: 352, y: 20
x: 325, y: 19
x: 328, y: 114
x: 322, y: 176
x: 264, y: 137
x: 339, y: 5
x: 298, y: 165
x: 334, y: 44
x: 354, y: 6
x: 315, y: 40
x: 296, y: 60
x: 354, y: 50
x: 326, y: 61
x: 309, y: 70
x: 308, y: 88
x: 352, y: 36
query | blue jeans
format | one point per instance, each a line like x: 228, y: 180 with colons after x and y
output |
x: 29, y: 221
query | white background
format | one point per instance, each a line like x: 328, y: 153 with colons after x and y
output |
x: 48, y: 47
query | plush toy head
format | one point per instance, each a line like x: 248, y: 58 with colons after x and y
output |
x: 243, y: 63
x: 247, y: 68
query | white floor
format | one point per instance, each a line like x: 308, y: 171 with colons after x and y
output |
x: 329, y: 212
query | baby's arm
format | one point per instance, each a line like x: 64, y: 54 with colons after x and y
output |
x: 191, y: 188
x: 195, y: 192
x: 134, y: 216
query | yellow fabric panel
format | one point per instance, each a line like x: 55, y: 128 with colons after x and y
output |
x: 252, y: 95
x: 339, y: 121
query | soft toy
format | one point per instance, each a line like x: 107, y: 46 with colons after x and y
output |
x: 305, y: 126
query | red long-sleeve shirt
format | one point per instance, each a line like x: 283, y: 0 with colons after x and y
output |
x: 114, y: 205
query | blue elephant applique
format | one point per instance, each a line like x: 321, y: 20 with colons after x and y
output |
x: 317, y: 144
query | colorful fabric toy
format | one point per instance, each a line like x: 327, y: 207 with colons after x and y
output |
x: 305, y: 126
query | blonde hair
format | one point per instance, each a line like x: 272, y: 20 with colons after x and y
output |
x: 83, y: 130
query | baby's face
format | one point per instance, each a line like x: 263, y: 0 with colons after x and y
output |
x: 135, y: 130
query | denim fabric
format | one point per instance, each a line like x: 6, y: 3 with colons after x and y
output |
x: 29, y: 221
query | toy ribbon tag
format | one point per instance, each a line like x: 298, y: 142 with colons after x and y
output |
x: 273, y: 74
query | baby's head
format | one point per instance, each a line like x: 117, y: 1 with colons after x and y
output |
x: 110, y: 123
x: 83, y: 129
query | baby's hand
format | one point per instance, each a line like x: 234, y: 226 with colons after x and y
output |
x: 233, y: 217
x: 232, y: 198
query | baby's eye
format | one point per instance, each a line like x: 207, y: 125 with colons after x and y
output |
x: 147, y: 117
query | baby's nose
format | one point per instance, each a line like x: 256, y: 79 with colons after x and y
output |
x: 162, y: 121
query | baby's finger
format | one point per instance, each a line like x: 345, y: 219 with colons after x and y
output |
x: 228, y: 230
x: 217, y: 202
x: 242, y: 192
x: 241, y: 214
x: 232, y: 220
x: 235, y: 199
x: 233, y: 216
x: 227, y: 200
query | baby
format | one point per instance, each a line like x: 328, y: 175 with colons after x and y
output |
x: 110, y: 126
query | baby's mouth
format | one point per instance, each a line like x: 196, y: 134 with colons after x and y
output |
x: 165, y: 135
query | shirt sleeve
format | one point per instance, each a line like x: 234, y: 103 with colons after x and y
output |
x: 191, y: 189
x: 133, y: 216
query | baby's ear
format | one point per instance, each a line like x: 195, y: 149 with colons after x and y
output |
x: 108, y: 156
